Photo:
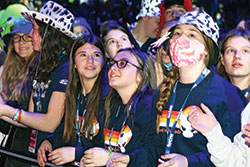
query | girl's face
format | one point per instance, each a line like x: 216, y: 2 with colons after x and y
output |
x: 174, y: 11
x: 189, y: 31
x: 36, y: 37
x: 123, y: 72
x: 116, y: 40
x: 88, y: 61
x: 187, y: 46
x: 236, y: 58
x: 23, y: 45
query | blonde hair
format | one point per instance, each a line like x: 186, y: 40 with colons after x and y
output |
x: 16, y: 74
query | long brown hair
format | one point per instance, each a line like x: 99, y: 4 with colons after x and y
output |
x: 54, y: 44
x: 148, y: 75
x: 74, y: 87
x: 16, y: 74
x: 173, y: 75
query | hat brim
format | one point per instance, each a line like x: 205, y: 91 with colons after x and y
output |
x: 31, y: 15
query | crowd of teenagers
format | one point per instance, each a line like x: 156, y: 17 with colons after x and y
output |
x: 163, y: 91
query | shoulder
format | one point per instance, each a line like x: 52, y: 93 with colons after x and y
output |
x: 62, y: 69
x: 147, y: 96
x: 217, y: 83
x: 63, y: 63
x: 145, y: 103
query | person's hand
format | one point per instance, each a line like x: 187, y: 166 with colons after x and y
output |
x: 94, y: 157
x: 62, y: 155
x: 203, y: 122
x: 41, y: 153
x: 159, y: 74
x: 174, y: 160
x: 118, y: 160
x: 246, y: 132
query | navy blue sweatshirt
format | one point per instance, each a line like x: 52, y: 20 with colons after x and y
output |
x: 224, y: 100
x: 135, y: 136
x: 57, y: 141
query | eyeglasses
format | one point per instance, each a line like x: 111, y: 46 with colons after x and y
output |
x: 26, y: 38
x: 121, y: 64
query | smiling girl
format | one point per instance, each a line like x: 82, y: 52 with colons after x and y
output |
x: 87, y: 62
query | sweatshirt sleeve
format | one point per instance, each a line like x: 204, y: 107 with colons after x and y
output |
x: 55, y: 140
x: 96, y: 142
x: 223, y: 152
x: 146, y: 155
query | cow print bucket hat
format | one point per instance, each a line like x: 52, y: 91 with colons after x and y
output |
x: 54, y: 14
x: 150, y: 8
x: 199, y: 19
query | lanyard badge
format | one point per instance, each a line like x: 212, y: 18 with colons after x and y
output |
x: 171, y: 133
x: 32, y: 143
x: 79, y: 124
x: 122, y: 129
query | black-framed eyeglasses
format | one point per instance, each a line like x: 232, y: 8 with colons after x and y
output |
x: 121, y: 64
x: 17, y: 38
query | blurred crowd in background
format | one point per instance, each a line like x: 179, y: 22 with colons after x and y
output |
x: 227, y: 13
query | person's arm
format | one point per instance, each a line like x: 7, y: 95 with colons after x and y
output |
x: 223, y: 152
x: 44, y: 122
x: 145, y: 118
x: 146, y: 155
x: 246, y: 133
x: 96, y: 142
x: 9, y: 120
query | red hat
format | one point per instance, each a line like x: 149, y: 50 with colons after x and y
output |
x: 186, y: 3
x: 187, y: 6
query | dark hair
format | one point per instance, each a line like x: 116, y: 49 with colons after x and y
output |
x: 148, y: 75
x: 55, y: 44
x: 74, y: 87
x: 115, y: 25
x: 169, y: 3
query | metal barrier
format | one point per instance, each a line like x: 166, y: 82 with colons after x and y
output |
x: 32, y: 161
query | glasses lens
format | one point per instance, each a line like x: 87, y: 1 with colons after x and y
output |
x: 16, y: 38
x: 27, y: 38
x: 122, y: 63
